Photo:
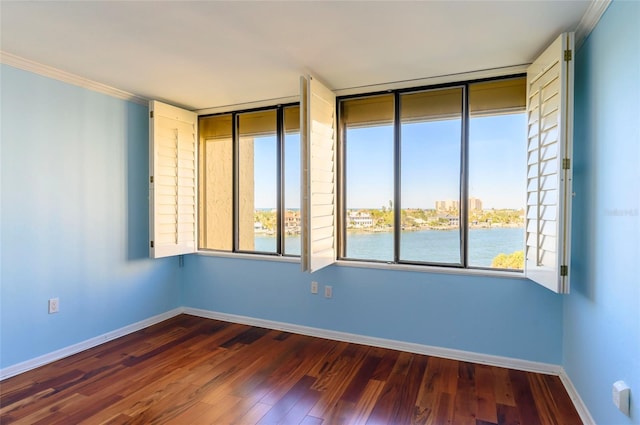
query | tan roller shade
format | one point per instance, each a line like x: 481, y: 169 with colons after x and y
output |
x: 215, y: 127
x: 431, y: 105
x: 498, y: 97
x: 291, y: 119
x: 366, y: 111
x: 256, y: 124
x: 486, y: 98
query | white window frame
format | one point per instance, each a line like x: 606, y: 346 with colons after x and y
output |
x: 549, y: 172
x: 318, y: 175
x: 172, y: 180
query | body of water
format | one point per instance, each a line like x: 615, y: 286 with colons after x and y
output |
x: 437, y: 246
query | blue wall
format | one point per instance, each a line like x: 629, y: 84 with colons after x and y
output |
x: 602, y: 314
x: 505, y: 317
x: 74, y: 219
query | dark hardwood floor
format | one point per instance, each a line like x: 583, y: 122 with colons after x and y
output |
x: 190, y: 370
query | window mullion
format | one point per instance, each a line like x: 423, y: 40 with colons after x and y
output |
x: 397, y: 214
x: 341, y: 241
x: 235, y: 140
x: 280, y: 211
x: 464, y: 180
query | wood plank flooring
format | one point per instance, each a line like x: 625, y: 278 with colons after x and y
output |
x: 190, y: 370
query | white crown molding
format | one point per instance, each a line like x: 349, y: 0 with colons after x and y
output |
x: 449, y: 353
x: 586, y: 417
x: 67, y: 77
x: 590, y: 20
x: 16, y: 369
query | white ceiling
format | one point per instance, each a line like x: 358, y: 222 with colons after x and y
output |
x: 208, y: 54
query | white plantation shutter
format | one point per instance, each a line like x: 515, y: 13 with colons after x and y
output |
x: 318, y: 160
x: 549, y: 175
x: 172, y: 171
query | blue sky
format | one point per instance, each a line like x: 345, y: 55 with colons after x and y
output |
x: 430, y: 163
x: 498, y: 154
x: 430, y: 170
x: 265, y: 171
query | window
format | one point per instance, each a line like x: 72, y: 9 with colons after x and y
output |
x: 292, y: 220
x: 497, y: 177
x: 367, y: 126
x: 249, y: 181
x: 430, y: 169
x: 420, y: 188
x: 547, y: 209
x: 428, y: 176
x: 216, y: 182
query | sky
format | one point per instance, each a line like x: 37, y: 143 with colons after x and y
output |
x: 498, y: 152
x: 266, y: 172
x: 430, y: 156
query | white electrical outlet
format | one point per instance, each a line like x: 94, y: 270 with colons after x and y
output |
x: 314, y: 287
x: 328, y: 291
x: 54, y: 305
x: 621, y: 393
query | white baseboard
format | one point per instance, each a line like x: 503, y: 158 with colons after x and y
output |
x: 16, y: 369
x: 449, y: 353
x: 586, y: 417
x: 467, y: 356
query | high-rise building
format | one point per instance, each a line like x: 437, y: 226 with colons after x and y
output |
x: 475, y: 204
x: 450, y: 205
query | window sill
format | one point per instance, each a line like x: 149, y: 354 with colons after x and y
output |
x: 247, y: 256
x: 432, y: 269
x: 373, y: 265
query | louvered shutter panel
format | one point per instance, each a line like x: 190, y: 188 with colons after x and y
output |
x: 318, y: 151
x: 173, y: 177
x: 549, y: 174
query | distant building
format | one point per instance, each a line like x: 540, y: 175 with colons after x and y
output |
x: 359, y: 219
x: 448, y: 205
x: 475, y: 204
x: 453, y: 220
x: 292, y: 221
x: 451, y: 205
